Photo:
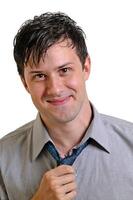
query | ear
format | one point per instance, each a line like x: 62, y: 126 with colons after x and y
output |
x: 87, y: 67
x: 24, y: 83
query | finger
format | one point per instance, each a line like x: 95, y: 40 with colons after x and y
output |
x: 65, y: 179
x: 69, y: 187
x: 62, y: 170
x: 71, y: 195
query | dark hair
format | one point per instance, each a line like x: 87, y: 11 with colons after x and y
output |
x: 36, y: 36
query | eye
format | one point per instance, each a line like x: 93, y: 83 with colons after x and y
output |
x: 65, y: 70
x: 39, y: 77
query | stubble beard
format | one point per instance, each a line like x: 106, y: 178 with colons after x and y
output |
x: 64, y: 115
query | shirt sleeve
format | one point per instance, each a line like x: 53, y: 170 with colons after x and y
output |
x: 3, y: 193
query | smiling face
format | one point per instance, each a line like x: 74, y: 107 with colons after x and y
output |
x: 57, y: 84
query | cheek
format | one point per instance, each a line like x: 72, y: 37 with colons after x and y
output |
x: 76, y: 82
x: 36, y: 91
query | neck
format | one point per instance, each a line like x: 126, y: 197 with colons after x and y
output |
x: 67, y: 135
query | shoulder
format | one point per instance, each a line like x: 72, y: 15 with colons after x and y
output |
x: 15, y: 146
x: 117, y: 122
x: 17, y: 136
x: 118, y: 128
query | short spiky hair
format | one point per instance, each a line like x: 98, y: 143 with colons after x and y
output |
x: 36, y: 36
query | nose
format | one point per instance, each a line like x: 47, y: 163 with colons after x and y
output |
x: 54, y: 86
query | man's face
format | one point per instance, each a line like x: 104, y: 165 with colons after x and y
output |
x: 57, y: 83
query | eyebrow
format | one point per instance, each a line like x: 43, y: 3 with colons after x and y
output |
x: 68, y: 63
x: 36, y: 71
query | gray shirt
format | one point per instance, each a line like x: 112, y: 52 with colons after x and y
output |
x: 104, y: 168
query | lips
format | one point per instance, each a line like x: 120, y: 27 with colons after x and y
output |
x: 59, y: 101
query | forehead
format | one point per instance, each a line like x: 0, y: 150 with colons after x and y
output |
x: 61, y: 48
x: 61, y: 51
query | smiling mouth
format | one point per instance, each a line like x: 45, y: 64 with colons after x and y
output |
x: 59, y: 101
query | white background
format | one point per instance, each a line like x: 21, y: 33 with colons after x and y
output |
x: 108, y: 25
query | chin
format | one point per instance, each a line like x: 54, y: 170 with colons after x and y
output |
x: 65, y: 118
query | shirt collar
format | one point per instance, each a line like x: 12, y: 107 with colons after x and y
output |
x: 97, y: 131
x: 40, y: 137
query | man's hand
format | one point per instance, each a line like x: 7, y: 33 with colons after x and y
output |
x: 57, y: 184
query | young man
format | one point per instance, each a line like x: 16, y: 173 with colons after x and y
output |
x: 69, y: 151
